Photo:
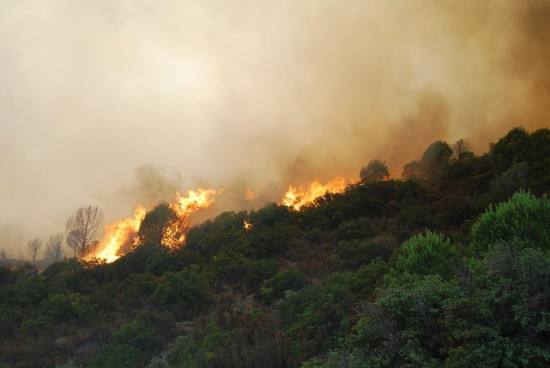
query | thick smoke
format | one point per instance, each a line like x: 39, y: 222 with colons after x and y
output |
x: 247, y: 95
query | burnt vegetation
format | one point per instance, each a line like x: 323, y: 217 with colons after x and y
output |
x: 448, y: 267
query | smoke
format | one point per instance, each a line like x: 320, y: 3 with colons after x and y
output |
x: 153, y: 185
x: 247, y: 95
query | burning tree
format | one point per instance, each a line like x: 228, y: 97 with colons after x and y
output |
x: 83, y: 227
x: 159, y: 224
x: 34, y: 247
x: 54, y: 247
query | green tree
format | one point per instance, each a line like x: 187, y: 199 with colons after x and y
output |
x: 523, y: 217
x: 425, y: 254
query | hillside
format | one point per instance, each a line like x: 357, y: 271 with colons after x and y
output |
x: 449, y: 266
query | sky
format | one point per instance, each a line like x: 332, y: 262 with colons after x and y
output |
x: 117, y: 103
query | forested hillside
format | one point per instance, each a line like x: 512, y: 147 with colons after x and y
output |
x: 449, y: 267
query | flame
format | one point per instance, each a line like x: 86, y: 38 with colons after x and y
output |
x: 247, y: 225
x: 116, y: 236
x: 120, y: 237
x: 297, y: 197
x: 194, y: 201
x: 250, y: 195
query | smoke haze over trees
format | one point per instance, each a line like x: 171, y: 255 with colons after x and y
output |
x: 448, y: 268
x: 243, y: 93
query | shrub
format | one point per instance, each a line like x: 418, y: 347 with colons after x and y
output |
x: 523, y: 216
x: 275, y: 287
x: 361, y: 252
x: 187, y: 289
x: 425, y: 254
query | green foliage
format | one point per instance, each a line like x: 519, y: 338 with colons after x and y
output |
x: 211, y: 350
x: 117, y: 356
x: 513, y: 147
x: 523, y: 216
x: 359, y: 252
x: 315, y: 317
x: 275, y: 287
x: 236, y: 298
x: 425, y: 254
x: 33, y: 326
x: 7, y: 322
x: 63, y: 307
x: 136, y: 334
x: 186, y: 291
x: 130, y: 346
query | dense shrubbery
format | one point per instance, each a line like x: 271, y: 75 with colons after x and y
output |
x: 523, y: 217
x: 423, y: 272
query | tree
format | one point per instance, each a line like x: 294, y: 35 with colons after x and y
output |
x: 412, y: 170
x: 435, y: 158
x: 72, y: 241
x: 82, y: 227
x: 154, y: 224
x: 34, y: 247
x: 523, y: 217
x: 54, y: 247
x: 375, y: 171
x: 514, y: 146
x: 461, y: 149
x: 426, y: 253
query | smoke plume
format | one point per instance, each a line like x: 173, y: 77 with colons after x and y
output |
x: 245, y: 95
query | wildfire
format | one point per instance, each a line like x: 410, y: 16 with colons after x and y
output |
x: 120, y: 236
x: 117, y: 235
x: 247, y: 225
x: 297, y: 197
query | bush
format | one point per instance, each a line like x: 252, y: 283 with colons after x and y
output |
x: 360, y: 252
x: 523, y: 216
x: 117, y: 356
x: 275, y: 287
x: 425, y: 254
x: 186, y: 289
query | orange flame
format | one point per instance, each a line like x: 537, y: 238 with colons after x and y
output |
x: 247, y: 225
x: 297, y: 197
x: 116, y: 236
x: 250, y: 195
x: 120, y: 237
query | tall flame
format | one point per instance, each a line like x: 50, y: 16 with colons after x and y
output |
x: 120, y: 236
x: 116, y: 236
x: 297, y: 197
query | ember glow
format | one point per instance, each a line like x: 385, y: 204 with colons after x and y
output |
x: 247, y: 225
x: 297, y: 197
x: 120, y: 236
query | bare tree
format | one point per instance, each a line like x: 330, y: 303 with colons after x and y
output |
x: 83, y: 227
x: 72, y: 241
x: 34, y: 247
x: 54, y: 247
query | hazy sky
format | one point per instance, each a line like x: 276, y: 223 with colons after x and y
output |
x: 246, y: 94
